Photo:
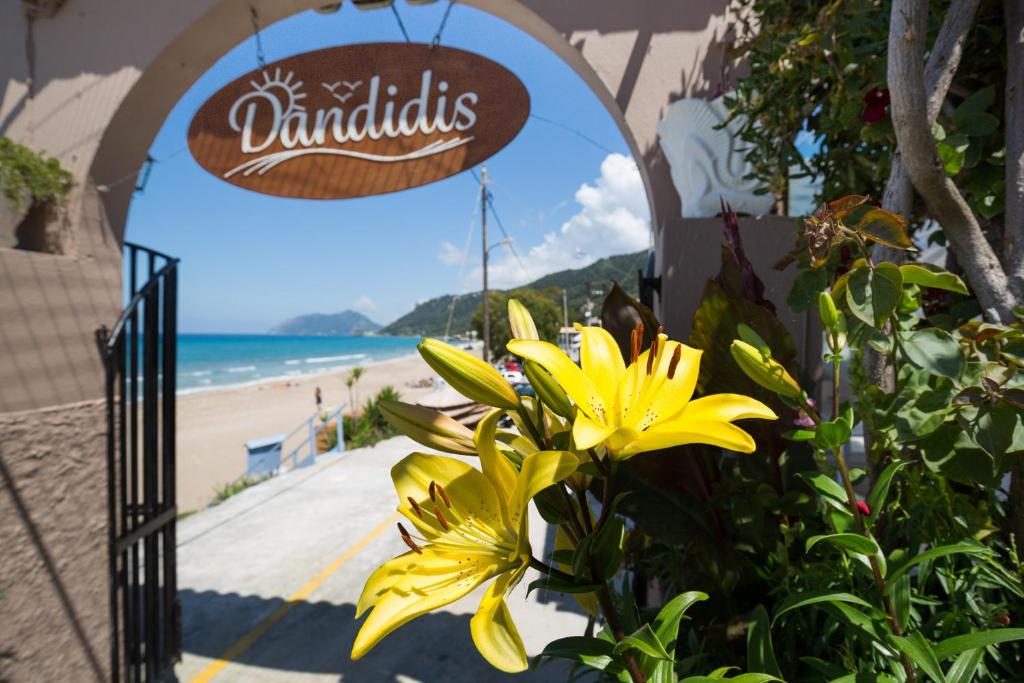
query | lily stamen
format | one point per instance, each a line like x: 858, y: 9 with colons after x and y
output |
x: 407, y: 539
x: 674, y: 362
x: 636, y: 340
x: 441, y: 519
x: 415, y: 507
x: 432, y: 492
x: 650, y: 356
x: 444, y: 496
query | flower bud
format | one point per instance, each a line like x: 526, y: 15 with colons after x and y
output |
x: 521, y: 322
x: 548, y: 390
x: 429, y: 427
x: 764, y: 370
x: 827, y: 311
x: 748, y: 335
x: 833, y: 320
x: 469, y: 375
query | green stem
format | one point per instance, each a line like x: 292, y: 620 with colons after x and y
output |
x: 551, y: 571
x: 851, y: 496
x: 604, y: 598
x: 535, y: 434
x: 607, y: 495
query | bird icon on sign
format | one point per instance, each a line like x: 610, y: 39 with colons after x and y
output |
x: 333, y: 89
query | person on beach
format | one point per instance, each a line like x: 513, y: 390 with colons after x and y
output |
x: 319, y: 399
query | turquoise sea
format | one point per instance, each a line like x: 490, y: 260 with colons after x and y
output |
x: 206, y: 361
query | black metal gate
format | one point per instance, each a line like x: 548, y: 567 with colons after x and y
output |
x: 140, y: 354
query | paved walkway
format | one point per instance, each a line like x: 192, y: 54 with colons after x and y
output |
x: 269, y: 579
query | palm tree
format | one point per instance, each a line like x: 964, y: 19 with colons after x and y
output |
x: 350, y: 382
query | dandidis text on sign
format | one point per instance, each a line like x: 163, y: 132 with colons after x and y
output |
x: 358, y: 120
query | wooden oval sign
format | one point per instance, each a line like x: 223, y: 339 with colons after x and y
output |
x: 358, y: 120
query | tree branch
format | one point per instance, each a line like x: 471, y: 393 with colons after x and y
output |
x: 943, y: 61
x: 1013, y: 231
x: 910, y: 118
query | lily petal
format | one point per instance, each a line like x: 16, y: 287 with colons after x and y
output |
x: 726, y: 408
x: 496, y: 467
x: 470, y: 492
x: 568, y: 375
x: 494, y: 633
x: 679, y: 432
x: 587, y: 433
x: 431, y: 581
x: 540, y: 470
x: 601, y: 361
x: 647, y: 398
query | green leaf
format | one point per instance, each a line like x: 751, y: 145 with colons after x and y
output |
x: 934, y: 351
x: 991, y: 427
x: 920, y: 651
x: 880, y: 491
x: 645, y: 640
x: 953, y: 152
x: 927, y: 275
x: 831, y: 435
x: 742, y: 678
x: 864, y: 678
x: 830, y: 492
x: 901, y: 600
x: 760, y: 654
x: 666, y: 624
x: 862, y: 623
x: 594, y: 652
x: 978, y: 101
x: 806, y: 285
x: 886, y: 227
x: 951, y: 647
x: 961, y: 548
x: 551, y: 583
x: 873, y: 295
x: 962, y: 670
x: 852, y: 542
x: 977, y: 124
x: 799, y: 600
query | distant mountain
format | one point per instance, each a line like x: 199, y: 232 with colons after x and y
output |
x: 430, y: 318
x: 327, y: 325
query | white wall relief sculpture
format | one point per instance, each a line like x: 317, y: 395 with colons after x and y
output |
x: 704, y: 160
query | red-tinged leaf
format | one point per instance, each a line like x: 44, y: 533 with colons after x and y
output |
x: 885, y: 227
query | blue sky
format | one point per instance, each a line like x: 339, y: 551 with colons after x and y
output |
x: 250, y: 261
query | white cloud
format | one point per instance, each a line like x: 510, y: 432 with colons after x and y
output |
x: 365, y: 304
x: 449, y: 254
x: 613, y: 218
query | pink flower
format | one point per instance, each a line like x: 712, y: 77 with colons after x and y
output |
x: 875, y: 103
x: 863, y: 507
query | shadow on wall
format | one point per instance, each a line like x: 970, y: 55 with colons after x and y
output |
x: 7, y: 655
x: 316, y: 637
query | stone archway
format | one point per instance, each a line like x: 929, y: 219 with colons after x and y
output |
x: 90, y: 82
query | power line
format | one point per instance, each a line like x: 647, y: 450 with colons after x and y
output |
x: 501, y: 226
x: 574, y: 131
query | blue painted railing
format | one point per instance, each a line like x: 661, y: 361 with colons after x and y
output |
x: 304, y: 453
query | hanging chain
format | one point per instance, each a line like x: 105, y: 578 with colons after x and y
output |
x: 440, y: 29
x: 256, y: 32
x: 398, y: 18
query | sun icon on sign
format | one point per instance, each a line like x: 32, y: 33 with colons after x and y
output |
x: 286, y: 91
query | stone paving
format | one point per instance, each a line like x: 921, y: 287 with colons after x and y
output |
x: 241, y: 561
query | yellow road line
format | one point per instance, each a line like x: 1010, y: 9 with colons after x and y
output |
x: 250, y: 638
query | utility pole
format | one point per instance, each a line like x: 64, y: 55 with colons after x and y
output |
x: 483, y: 241
x: 565, y: 308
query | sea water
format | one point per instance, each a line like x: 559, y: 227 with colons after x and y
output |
x: 207, y: 361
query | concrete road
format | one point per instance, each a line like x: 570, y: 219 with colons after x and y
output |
x: 269, y: 579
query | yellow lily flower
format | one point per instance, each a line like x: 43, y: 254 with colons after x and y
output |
x: 645, y: 406
x: 472, y: 527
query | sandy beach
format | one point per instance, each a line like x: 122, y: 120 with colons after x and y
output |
x: 214, y: 425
